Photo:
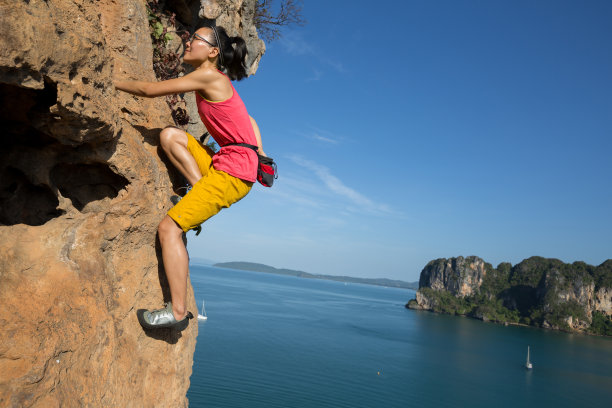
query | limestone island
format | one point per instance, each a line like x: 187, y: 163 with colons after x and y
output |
x: 538, y: 291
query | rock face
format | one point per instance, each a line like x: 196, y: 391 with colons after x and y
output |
x: 603, y: 300
x: 537, y: 291
x: 460, y: 276
x: 224, y: 13
x: 83, y: 187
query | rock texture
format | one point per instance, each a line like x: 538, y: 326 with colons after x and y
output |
x: 460, y: 276
x: 83, y: 185
x: 603, y: 300
x: 224, y: 13
x: 537, y: 291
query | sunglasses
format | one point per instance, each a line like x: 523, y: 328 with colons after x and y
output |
x: 199, y: 37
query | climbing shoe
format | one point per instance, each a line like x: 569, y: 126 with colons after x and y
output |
x: 177, y: 197
x: 162, y: 318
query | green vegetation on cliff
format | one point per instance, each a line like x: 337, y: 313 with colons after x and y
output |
x: 538, y: 291
x: 601, y: 324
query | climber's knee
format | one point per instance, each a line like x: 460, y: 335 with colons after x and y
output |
x: 170, y: 136
x: 168, y: 229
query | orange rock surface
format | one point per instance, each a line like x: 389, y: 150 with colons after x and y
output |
x: 83, y: 186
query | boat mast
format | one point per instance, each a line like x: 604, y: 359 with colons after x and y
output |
x: 528, y: 363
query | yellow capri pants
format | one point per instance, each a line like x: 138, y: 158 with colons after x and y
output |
x: 214, y: 191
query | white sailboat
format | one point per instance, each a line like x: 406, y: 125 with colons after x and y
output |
x: 202, y: 315
x: 528, y: 364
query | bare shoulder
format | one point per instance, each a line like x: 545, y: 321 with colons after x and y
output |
x: 215, y: 85
x: 203, y: 74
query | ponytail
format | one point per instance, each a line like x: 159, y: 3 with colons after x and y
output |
x: 233, y: 54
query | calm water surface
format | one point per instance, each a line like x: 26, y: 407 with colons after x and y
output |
x: 279, y: 341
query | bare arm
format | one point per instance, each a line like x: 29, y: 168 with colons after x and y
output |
x: 257, y: 136
x: 196, y: 80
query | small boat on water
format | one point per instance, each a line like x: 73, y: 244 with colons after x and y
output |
x: 528, y: 364
x: 202, y: 315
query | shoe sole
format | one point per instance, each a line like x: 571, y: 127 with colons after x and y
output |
x: 180, y: 325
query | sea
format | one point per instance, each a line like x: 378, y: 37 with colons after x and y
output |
x: 282, y: 341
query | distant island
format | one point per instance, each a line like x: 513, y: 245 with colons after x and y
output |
x: 256, y: 267
x: 538, y: 292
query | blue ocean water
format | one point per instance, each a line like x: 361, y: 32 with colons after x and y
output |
x: 281, y: 341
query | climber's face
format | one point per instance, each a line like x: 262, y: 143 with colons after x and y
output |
x: 200, y: 47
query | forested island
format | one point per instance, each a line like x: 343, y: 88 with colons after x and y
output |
x: 538, y: 291
x: 256, y: 267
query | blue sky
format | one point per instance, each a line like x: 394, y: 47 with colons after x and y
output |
x: 409, y: 131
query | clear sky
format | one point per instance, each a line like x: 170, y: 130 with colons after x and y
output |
x: 406, y: 131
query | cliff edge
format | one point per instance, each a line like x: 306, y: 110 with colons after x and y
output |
x: 83, y: 186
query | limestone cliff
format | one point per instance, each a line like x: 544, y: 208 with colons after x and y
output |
x: 537, y: 291
x: 459, y: 276
x: 83, y: 186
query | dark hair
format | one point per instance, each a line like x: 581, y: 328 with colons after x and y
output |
x: 233, y: 54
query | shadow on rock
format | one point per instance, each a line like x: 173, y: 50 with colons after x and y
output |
x: 170, y: 335
x: 150, y: 136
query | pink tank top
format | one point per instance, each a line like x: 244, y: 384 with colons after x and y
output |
x: 228, y: 122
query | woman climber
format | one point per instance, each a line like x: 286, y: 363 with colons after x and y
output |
x: 217, y: 180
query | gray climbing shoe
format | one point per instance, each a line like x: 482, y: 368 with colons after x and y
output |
x: 174, y: 199
x: 177, y: 197
x: 162, y: 318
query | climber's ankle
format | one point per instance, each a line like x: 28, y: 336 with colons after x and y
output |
x: 179, y: 312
